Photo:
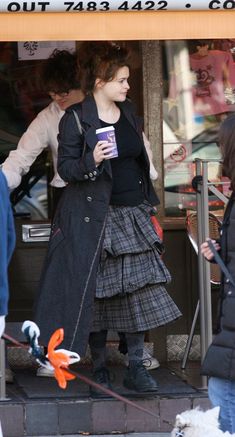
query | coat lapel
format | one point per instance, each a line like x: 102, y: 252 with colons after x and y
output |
x: 91, y: 119
x: 89, y: 112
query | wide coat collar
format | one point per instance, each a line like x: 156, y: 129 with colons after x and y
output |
x: 90, y: 119
x: 90, y: 113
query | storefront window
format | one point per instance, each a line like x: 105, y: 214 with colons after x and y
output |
x: 21, y: 100
x: 198, y: 93
x: 199, y: 84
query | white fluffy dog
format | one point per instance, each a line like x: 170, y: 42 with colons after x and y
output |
x: 198, y: 423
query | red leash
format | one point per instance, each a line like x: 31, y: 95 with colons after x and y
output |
x: 112, y: 393
x: 14, y: 341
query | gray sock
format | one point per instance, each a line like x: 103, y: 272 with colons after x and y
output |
x: 97, y: 343
x: 135, y: 346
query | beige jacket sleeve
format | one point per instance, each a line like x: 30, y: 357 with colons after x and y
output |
x: 31, y: 144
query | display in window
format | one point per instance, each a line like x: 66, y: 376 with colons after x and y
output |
x: 213, y: 80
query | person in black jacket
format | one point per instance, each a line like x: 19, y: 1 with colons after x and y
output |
x: 104, y: 269
x: 219, y: 362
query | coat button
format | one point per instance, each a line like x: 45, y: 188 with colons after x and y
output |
x: 229, y: 292
x: 85, y: 176
x: 89, y: 198
x: 87, y: 219
x: 227, y: 281
x: 95, y: 173
x: 90, y: 174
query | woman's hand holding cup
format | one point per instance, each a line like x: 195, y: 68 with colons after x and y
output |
x: 106, y: 148
x: 103, y: 150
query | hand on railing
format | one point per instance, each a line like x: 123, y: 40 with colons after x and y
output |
x: 206, y: 251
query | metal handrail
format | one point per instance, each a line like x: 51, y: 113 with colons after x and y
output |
x: 203, y: 266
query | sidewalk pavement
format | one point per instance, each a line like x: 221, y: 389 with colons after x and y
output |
x: 147, y: 434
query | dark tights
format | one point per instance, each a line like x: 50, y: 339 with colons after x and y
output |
x: 97, y: 342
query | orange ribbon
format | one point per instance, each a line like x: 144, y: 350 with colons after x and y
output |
x: 59, y: 360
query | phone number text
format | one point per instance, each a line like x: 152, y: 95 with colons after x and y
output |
x: 128, y: 5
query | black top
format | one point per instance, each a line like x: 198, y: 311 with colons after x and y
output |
x: 126, y: 170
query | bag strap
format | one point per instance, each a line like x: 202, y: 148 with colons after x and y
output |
x: 80, y: 129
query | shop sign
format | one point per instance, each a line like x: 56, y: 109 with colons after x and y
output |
x: 178, y: 167
x: 28, y: 50
x: 115, y: 5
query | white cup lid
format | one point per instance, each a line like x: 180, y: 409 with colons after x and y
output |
x: 105, y: 129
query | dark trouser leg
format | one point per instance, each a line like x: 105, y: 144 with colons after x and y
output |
x: 97, y: 343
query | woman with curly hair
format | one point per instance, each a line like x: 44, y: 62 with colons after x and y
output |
x: 112, y: 277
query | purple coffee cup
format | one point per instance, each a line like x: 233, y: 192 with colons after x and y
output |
x: 108, y: 134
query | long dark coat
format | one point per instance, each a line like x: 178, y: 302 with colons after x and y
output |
x: 220, y: 357
x: 68, y: 281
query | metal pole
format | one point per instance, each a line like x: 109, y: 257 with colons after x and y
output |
x: 204, y: 306
x: 2, y: 371
x: 205, y: 234
x: 200, y: 261
x: 190, y: 338
x: 203, y: 266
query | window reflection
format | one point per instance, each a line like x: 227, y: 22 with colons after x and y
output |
x: 199, y: 93
x: 21, y: 99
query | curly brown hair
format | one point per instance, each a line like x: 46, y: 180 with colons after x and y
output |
x: 227, y: 144
x: 60, y: 72
x: 98, y: 59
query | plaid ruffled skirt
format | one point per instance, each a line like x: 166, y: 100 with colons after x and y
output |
x: 130, y: 292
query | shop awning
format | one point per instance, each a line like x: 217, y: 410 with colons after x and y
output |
x: 147, y: 25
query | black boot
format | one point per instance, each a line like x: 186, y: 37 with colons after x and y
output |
x: 139, y: 379
x: 100, y: 376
